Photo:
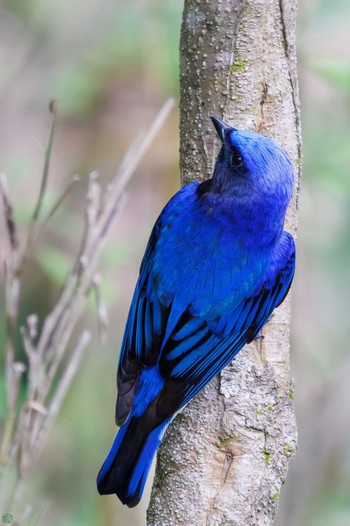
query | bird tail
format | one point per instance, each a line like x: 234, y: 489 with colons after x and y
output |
x: 126, y: 467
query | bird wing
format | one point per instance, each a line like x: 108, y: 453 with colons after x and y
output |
x: 191, y: 347
x: 199, y: 349
x: 146, y: 323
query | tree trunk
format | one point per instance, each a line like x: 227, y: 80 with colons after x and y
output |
x: 226, y: 456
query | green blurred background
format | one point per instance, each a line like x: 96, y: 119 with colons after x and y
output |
x: 110, y: 65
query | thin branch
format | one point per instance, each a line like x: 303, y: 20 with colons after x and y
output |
x: 102, y: 316
x: 139, y: 148
x: 8, y: 213
x: 50, y: 362
x: 44, y: 179
x: 12, y: 276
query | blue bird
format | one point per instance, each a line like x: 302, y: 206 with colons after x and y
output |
x: 217, y: 263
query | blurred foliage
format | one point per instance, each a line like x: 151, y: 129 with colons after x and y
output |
x: 84, y: 45
x: 110, y: 65
x: 337, y: 72
x: 55, y: 264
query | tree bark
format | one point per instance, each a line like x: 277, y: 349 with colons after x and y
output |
x: 225, y: 457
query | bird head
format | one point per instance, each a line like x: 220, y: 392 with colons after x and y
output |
x: 251, y: 166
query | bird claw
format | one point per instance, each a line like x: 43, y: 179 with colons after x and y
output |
x: 258, y: 343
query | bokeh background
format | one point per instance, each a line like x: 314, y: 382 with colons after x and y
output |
x: 110, y: 65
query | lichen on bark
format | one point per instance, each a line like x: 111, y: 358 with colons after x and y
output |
x: 226, y: 456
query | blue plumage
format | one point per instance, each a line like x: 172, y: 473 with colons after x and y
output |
x: 217, y: 264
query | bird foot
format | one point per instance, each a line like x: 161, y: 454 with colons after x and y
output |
x: 258, y: 342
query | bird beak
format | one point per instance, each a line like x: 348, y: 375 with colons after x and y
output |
x: 220, y: 127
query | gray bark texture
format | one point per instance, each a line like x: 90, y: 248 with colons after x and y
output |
x: 225, y: 457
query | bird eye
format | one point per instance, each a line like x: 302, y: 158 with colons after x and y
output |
x: 235, y: 160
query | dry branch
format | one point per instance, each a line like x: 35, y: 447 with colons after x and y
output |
x: 49, y: 354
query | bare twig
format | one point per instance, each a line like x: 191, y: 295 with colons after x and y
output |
x: 44, y: 179
x: 102, y: 315
x: 12, y: 271
x: 8, y: 213
x: 50, y: 362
